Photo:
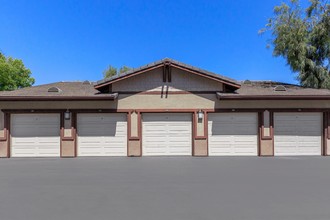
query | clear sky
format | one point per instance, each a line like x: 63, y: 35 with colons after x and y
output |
x: 63, y: 40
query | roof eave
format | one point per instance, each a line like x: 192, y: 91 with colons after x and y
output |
x: 273, y: 97
x: 111, y: 97
x: 235, y: 85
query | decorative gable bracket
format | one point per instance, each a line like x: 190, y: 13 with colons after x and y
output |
x: 167, y: 69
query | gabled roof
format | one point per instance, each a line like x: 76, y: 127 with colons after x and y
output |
x: 194, y: 70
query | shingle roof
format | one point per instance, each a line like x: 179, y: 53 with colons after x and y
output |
x: 248, y: 90
x: 68, y: 90
x: 150, y: 65
x: 266, y: 89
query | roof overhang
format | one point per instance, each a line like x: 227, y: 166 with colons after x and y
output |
x: 110, y: 97
x: 220, y: 96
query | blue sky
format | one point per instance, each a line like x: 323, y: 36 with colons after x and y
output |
x: 76, y: 40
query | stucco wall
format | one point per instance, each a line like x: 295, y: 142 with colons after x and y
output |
x: 266, y: 147
x: 147, y: 101
x: 173, y: 101
x: 153, y: 81
x: 134, y: 148
x: 134, y: 124
x: 200, y: 147
x: 68, y: 148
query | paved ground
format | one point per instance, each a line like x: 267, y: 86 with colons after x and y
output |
x: 163, y: 188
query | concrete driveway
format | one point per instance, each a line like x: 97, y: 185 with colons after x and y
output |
x: 161, y: 188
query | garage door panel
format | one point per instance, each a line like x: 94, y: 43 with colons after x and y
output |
x: 166, y: 134
x: 232, y: 134
x: 98, y: 130
x: 232, y: 129
x: 35, y: 135
x: 297, y: 134
x: 223, y: 150
x: 33, y: 131
x: 102, y: 134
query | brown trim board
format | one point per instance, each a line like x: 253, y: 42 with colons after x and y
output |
x: 100, y: 110
x: 5, y: 127
x: 74, y: 125
x: 206, y: 76
x: 326, y: 128
x: 129, y: 126
x: 205, y: 124
x: 8, y: 116
x: 262, y: 127
x: 168, y: 92
x: 55, y: 98
x: 63, y: 138
x: 274, y: 97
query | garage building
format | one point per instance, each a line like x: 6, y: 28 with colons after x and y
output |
x: 165, y: 108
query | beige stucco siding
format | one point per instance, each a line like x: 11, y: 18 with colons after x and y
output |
x: 266, y: 148
x: 134, y: 124
x: 200, y: 147
x: 153, y: 81
x: 200, y: 126
x: 273, y: 104
x: 173, y: 101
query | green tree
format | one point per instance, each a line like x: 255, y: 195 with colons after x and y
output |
x: 13, y: 74
x: 302, y: 37
x: 113, y: 71
x: 109, y: 72
x: 124, y: 69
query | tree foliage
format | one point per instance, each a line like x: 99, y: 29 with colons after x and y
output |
x: 302, y: 37
x: 113, y: 71
x: 13, y: 74
x: 110, y: 71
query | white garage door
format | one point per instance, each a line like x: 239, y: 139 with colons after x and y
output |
x: 167, y: 134
x: 102, y: 134
x: 297, y: 134
x: 35, y: 135
x: 233, y: 134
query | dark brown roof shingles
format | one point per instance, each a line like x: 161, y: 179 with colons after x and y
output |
x: 267, y: 88
x: 79, y: 89
x: 68, y: 89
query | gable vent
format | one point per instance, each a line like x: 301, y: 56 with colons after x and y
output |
x: 86, y: 82
x: 54, y: 89
x: 280, y: 88
x: 247, y: 82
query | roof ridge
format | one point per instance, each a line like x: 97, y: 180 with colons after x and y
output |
x: 188, y: 66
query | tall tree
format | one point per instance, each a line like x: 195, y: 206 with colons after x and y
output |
x: 302, y: 37
x: 13, y: 74
x: 112, y: 71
